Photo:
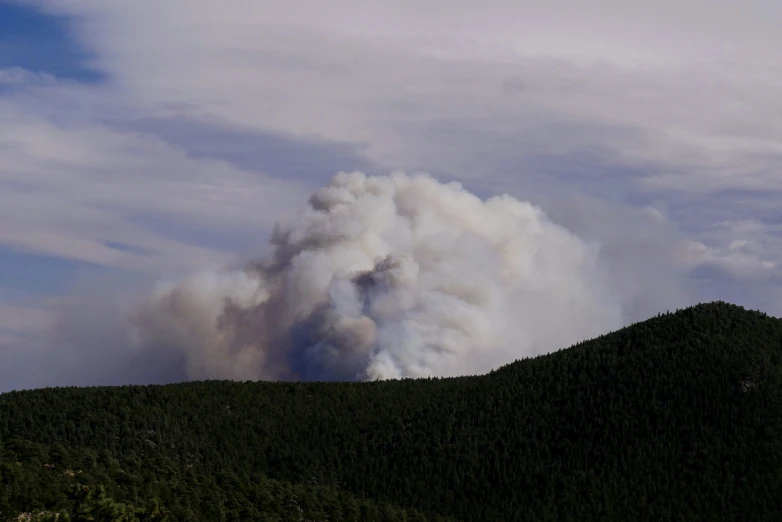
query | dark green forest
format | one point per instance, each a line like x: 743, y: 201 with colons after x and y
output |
x: 674, y: 418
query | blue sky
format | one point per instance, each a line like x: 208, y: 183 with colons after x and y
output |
x: 43, y: 43
x: 37, y: 274
x: 37, y: 41
x: 143, y: 143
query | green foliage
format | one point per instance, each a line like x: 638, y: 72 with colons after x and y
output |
x: 223, y: 497
x: 675, y: 418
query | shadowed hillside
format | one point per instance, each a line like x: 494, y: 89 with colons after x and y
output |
x: 675, y: 418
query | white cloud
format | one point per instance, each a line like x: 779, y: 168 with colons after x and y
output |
x: 71, y: 185
x: 671, y: 67
x: 687, y: 89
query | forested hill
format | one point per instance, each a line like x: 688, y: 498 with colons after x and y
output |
x: 675, y: 418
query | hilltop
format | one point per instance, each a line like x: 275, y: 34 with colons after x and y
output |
x: 677, y: 417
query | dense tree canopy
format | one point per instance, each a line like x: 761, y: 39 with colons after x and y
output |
x: 675, y: 418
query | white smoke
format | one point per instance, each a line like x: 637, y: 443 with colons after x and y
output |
x: 389, y: 277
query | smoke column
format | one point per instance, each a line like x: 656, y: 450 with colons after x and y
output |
x: 388, y: 277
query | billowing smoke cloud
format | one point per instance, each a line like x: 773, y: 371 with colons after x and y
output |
x: 388, y: 277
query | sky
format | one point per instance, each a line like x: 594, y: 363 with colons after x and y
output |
x: 143, y: 141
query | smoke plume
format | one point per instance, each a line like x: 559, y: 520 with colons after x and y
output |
x: 388, y: 277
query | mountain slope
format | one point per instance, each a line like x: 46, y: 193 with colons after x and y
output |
x: 675, y: 417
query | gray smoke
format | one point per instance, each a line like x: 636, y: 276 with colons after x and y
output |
x: 389, y: 277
